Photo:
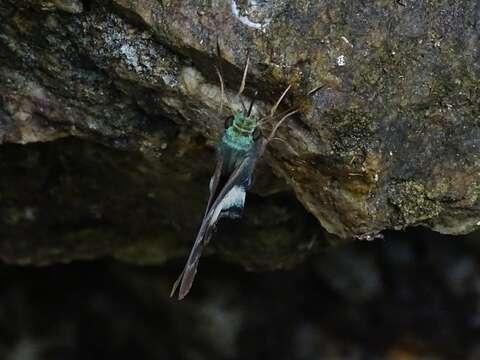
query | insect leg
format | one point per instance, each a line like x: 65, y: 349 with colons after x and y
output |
x: 277, y: 125
x: 274, y: 108
x: 286, y: 143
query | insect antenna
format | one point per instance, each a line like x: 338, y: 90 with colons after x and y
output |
x: 222, y: 89
x: 244, y: 79
x: 219, y: 71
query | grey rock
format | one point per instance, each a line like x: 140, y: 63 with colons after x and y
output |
x: 390, y: 140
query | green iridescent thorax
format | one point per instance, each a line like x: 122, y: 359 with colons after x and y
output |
x: 239, y: 136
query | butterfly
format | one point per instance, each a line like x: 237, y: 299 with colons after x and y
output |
x: 239, y: 148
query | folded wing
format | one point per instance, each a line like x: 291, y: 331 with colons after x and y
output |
x: 228, y: 203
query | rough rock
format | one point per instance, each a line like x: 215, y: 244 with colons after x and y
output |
x: 117, y: 104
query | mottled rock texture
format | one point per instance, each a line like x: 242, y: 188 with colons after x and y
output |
x: 109, y: 111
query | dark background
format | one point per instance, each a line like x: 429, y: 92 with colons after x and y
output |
x: 414, y: 294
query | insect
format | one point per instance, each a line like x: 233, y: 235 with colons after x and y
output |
x: 238, y: 151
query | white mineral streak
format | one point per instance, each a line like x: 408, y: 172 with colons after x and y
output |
x: 245, y: 20
x: 341, y: 61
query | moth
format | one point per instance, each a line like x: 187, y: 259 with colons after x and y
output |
x: 239, y: 148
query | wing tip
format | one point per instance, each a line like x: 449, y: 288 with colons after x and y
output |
x: 185, y: 280
x: 182, y: 294
x: 184, y: 289
x: 175, y: 285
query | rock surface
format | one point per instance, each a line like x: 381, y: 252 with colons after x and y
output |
x: 109, y: 115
